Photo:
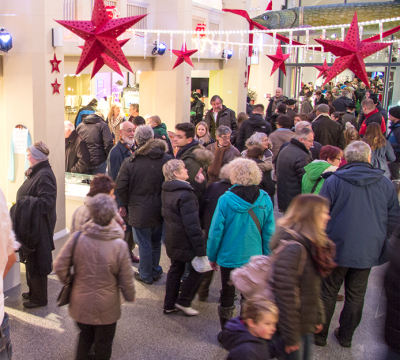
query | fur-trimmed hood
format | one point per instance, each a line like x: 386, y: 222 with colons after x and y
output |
x: 203, y: 156
x: 265, y: 166
x: 154, y: 148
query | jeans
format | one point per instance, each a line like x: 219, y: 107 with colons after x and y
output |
x: 355, y: 283
x: 392, y: 355
x: 101, y: 336
x: 5, y: 340
x: 99, y: 169
x: 305, y: 352
x: 228, y: 291
x: 187, y: 289
x: 149, y: 241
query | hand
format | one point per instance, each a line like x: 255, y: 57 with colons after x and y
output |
x: 122, y: 211
x: 318, y: 328
x: 200, y: 177
x: 214, y: 266
x: 290, y: 349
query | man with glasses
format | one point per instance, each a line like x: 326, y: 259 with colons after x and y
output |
x: 123, y: 149
x: 224, y: 152
x: 220, y: 115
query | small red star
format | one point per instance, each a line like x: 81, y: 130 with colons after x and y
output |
x: 55, y: 64
x: 183, y: 56
x: 100, y: 35
x: 279, y: 59
x: 351, y: 52
x: 323, y: 70
x: 56, y: 87
x: 246, y: 84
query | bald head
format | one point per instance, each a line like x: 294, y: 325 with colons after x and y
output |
x: 278, y: 92
x: 127, y: 130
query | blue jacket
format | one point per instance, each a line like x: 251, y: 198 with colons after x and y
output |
x: 394, y: 139
x: 234, y: 237
x: 364, y: 212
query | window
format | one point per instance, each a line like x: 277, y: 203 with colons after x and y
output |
x: 134, y: 10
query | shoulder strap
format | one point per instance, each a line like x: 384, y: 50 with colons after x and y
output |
x: 73, y: 249
x: 255, y: 219
x: 315, y: 185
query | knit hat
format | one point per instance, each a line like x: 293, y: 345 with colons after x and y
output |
x: 395, y: 112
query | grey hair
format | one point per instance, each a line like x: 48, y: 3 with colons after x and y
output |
x: 301, y: 125
x: 357, y: 151
x: 69, y: 125
x: 256, y: 139
x: 143, y: 134
x: 225, y: 172
x: 170, y: 167
x: 303, y: 134
x: 223, y: 130
x: 102, y: 208
x: 323, y: 108
x: 345, y: 92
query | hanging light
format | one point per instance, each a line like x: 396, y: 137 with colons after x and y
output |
x: 228, y: 54
x: 159, y: 50
x: 5, y: 40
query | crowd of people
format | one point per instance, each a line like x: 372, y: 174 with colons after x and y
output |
x: 207, y: 192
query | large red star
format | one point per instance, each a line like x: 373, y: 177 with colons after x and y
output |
x: 323, y: 70
x: 279, y: 59
x: 106, y: 60
x: 351, y: 52
x: 56, y: 87
x: 100, y: 35
x: 183, y: 56
x: 55, y: 64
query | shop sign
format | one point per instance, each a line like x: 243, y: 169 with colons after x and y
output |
x: 201, y: 27
x: 131, y: 92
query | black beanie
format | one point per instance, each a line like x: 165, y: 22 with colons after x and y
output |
x: 395, y: 112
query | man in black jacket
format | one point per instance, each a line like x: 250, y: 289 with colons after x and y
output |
x: 320, y: 98
x: 326, y: 130
x: 220, y: 115
x: 290, y: 108
x: 255, y: 123
x: 340, y: 104
x: 279, y: 98
x: 139, y: 189
x: 77, y: 155
x: 99, y: 140
x: 290, y: 167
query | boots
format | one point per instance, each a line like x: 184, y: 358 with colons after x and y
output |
x: 225, y: 313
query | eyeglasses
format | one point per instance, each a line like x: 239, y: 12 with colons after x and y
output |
x: 225, y: 137
x: 129, y: 130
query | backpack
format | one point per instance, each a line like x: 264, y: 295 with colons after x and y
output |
x: 255, y: 279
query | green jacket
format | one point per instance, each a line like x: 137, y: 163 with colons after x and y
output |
x: 161, y: 130
x: 313, y: 173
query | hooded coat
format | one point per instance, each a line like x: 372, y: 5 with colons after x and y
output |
x: 180, y: 209
x: 266, y: 184
x: 242, y: 345
x: 98, y: 139
x: 139, y: 184
x: 364, y: 212
x: 234, y: 237
x: 102, y: 268
x: 255, y: 123
x: 85, y: 111
x: 313, y: 174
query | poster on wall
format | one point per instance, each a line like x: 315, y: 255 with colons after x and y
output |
x: 20, y: 140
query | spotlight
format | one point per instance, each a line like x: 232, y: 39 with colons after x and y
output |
x: 159, y: 50
x: 5, y: 40
x: 228, y: 54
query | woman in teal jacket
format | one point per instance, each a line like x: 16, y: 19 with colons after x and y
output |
x: 242, y: 226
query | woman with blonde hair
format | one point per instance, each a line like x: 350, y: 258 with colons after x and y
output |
x: 351, y: 134
x: 203, y: 135
x: 241, y: 227
x: 382, y: 150
x: 306, y: 255
x: 114, y: 120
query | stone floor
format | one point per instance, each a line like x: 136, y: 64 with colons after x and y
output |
x: 144, y: 333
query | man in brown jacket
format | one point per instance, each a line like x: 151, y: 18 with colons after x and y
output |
x: 224, y: 152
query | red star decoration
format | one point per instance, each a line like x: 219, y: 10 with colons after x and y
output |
x: 323, y: 70
x: 55, y: 64
x: 100, y: 35
x: 106, y: 60
x: 56, y: 87
x: 351, y: 52
x: 183, y: 56
x: 279, y: 60
x: 269, y: 7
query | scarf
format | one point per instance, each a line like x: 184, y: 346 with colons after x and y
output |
x: 129, y: 147
x: 114, y: 122
x: 219, y: 153
x: 323, y: 257
x: 185, y: 148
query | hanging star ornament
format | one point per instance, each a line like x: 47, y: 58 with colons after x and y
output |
x: 323, y: 70
x: 56, y: 87
x: 279, y: 60
x: 106, y: 60
x: 100, y: 35
x: 352, y: 52
x: 183, y: 56
x: 55, y: 64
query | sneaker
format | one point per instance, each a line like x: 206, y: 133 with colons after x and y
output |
x: 167, y: 312
x: 188, y: 311
x: 342, y: 343
x: 138, y: 278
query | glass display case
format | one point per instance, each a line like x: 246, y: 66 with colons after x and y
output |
x: 77, y: 186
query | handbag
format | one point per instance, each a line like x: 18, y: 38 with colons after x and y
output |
x: 65, y: 294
